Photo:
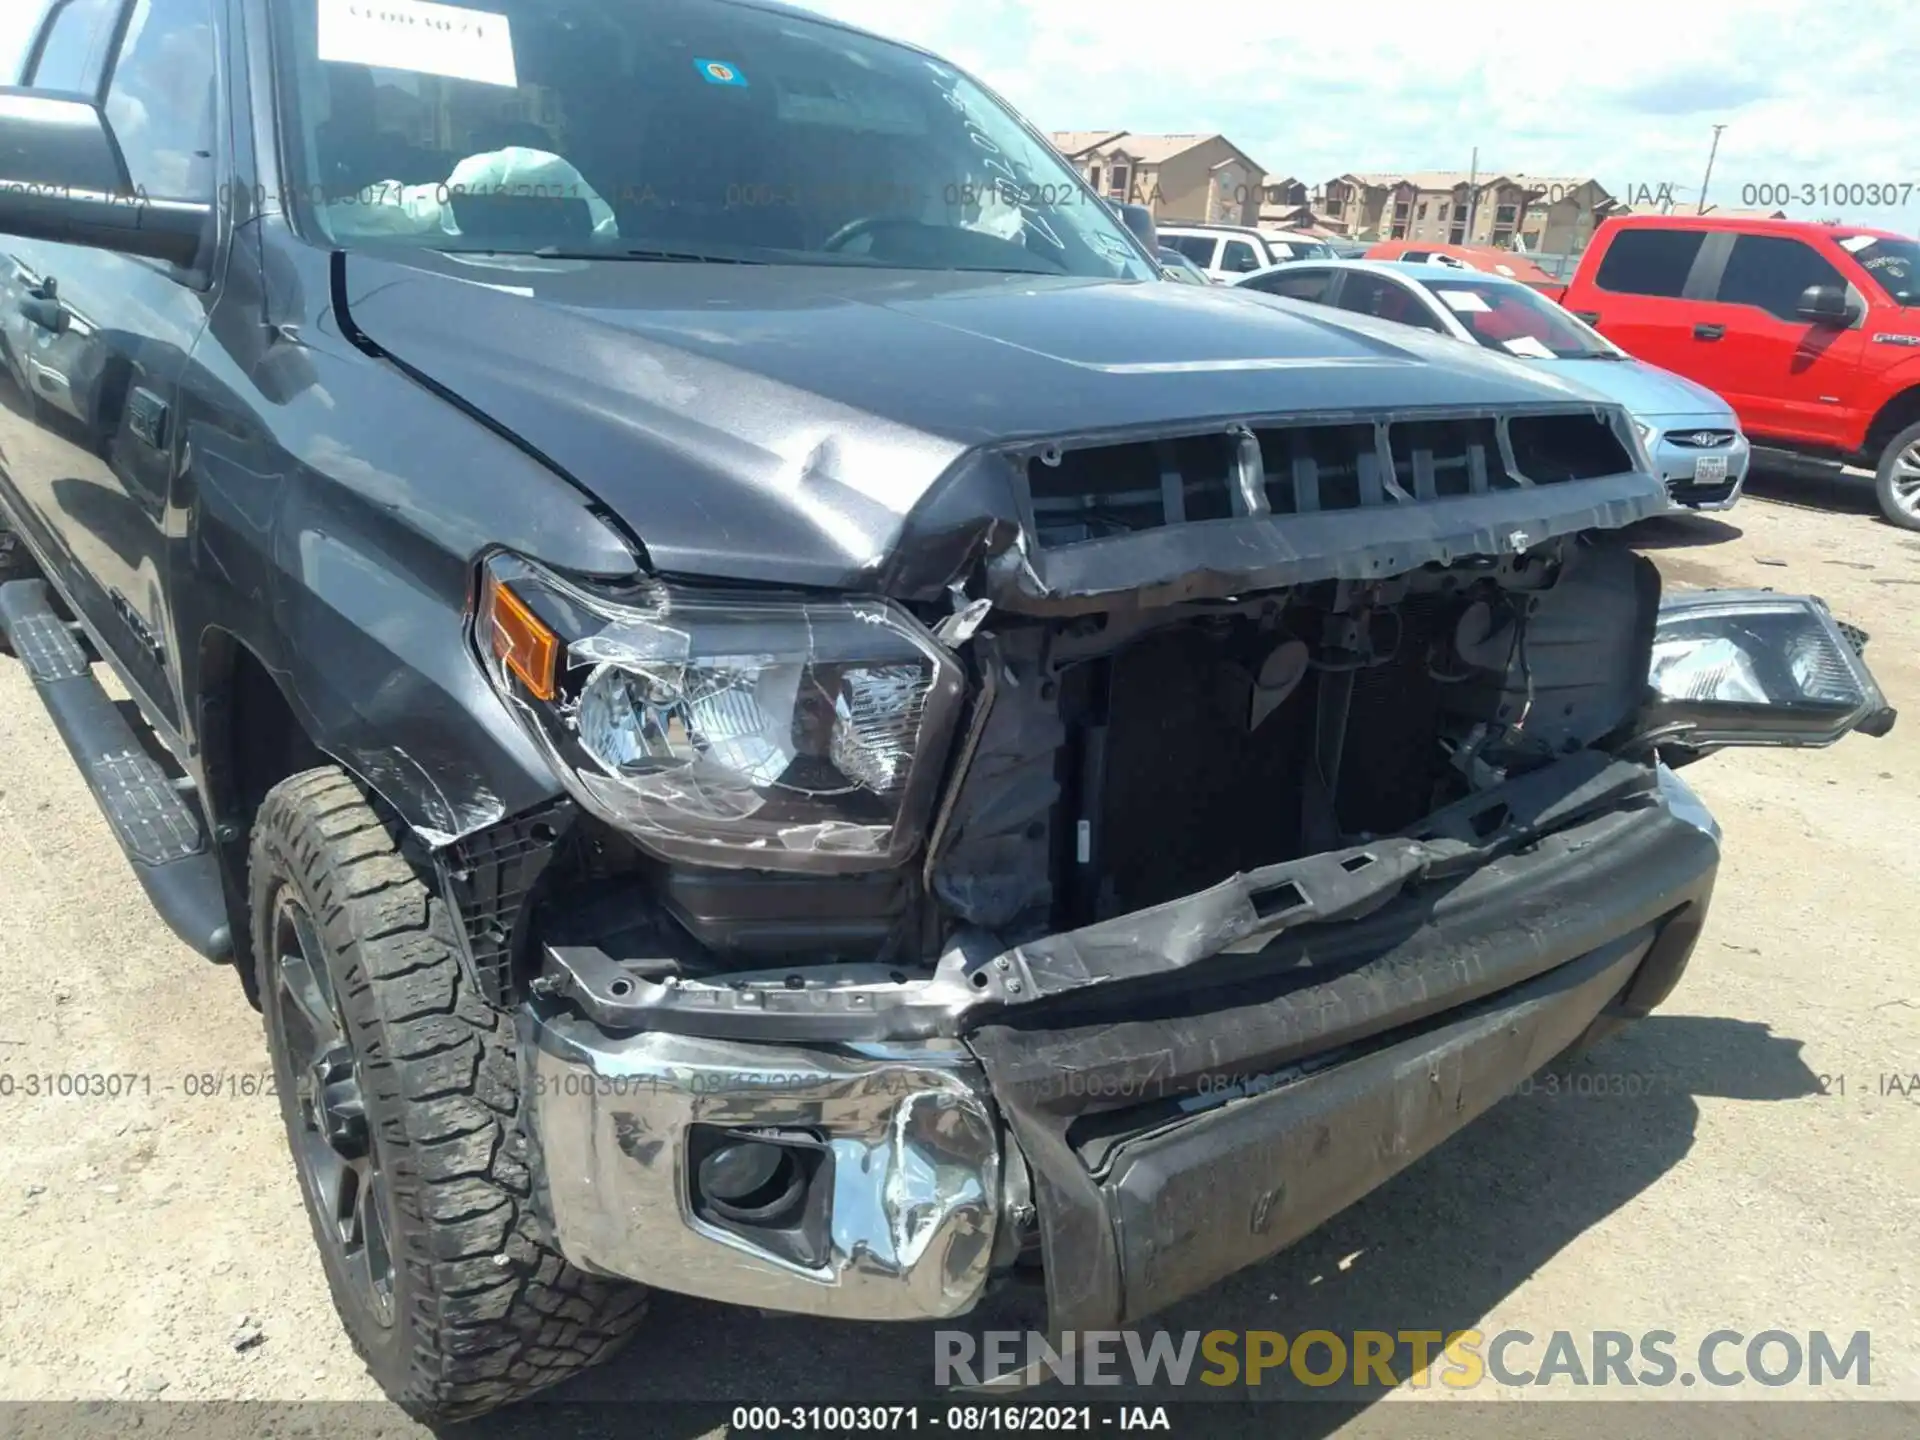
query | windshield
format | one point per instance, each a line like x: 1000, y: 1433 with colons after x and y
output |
x: 670, y: 129
x: 1894, y: 265
x: 1506, y: 316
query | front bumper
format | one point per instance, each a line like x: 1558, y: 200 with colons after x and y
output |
x: 1678, y: 464
x: 910, y: 1179
x: 1160, y: 1133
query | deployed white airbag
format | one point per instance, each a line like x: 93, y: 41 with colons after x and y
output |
x: 393, y: 209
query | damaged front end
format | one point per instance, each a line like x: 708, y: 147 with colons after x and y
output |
x: 1137, y: 927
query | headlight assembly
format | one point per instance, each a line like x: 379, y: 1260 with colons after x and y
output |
x: 733, y: 730
x: 1751, y: 667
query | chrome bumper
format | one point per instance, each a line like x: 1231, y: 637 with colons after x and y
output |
x: 914, y: 1179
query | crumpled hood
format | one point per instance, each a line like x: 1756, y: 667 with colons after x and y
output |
x: 780, y: 423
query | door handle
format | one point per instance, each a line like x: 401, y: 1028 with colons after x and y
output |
x: 1708, y: 332
x: 1592, y: 317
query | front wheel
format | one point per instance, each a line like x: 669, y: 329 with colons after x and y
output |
x: 1897, y: 482
x: 400, y: 1093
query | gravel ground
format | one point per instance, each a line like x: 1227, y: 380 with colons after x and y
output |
x: 1762, y: 1177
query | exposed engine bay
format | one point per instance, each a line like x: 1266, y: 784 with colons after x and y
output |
x: 1113, y: 761
x: 1220, y: 738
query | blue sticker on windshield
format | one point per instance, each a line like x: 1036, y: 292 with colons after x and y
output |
x: 718, y: 72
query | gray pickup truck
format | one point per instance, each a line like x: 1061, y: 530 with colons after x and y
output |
x: 767, y: 712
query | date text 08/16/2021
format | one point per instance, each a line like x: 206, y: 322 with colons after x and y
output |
x: 950, y: 1419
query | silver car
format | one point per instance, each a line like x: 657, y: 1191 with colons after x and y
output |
x: 1692, y: 434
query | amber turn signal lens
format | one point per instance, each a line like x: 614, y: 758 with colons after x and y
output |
x: 518, y: 639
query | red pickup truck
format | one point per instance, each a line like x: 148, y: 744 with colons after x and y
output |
x: 1811, y: 332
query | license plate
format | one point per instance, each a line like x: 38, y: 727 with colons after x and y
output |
x: 1710, y: 470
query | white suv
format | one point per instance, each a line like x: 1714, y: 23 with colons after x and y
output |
x: 1227, y: 252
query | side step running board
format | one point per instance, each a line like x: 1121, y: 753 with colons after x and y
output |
x: 158, y: 826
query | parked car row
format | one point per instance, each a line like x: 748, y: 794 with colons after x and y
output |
x: 1798, y: 336
x: 1225, y: 252
x: 1811, y: 332
x: 1489, y: 258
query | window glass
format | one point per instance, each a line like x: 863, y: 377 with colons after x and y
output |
x: 675, y: 128
x: 1296, y: 282
x: 1237, y: 257
x: 1893, y: 264
x: 1385, y: 299
x: 1197, y: 248
x: 1649, y: 262
x: 1770, y: 271
x: 161, y: 99
x: 1415, y: 257
x: 1515, y: 320
x: 75, y: 48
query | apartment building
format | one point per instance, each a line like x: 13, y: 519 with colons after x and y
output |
x: 1178, y: 177
x: 1553, y: 213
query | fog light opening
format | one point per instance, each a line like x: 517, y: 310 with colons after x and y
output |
x: 753, y: 1183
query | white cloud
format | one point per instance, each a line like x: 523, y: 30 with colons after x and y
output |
x: 1629, y: 91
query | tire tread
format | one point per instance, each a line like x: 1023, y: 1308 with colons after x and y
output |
x: 492, y: 1313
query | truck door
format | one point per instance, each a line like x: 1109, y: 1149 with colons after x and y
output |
x: 1787, y: 376
x: 97, y: 343
x: 1637, y: 298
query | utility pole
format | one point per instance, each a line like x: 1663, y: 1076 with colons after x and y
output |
x: 1473, y: 193
x: 1701, y: 208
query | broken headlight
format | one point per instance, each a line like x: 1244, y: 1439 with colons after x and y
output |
x: 1756, y: 668
x: 735, y: 730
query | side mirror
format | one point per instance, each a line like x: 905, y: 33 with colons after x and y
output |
x: 1826, y: 305
x: 1749, y: 667
x: 62, y: 178
x: 1139, y: 219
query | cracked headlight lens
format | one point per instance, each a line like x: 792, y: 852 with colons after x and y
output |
x: 748, y: 730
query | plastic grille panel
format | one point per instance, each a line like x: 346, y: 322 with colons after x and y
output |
x: 1106, y: 490
x: 489, y: 876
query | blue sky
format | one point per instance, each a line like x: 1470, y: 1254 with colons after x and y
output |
x: 1811, y: 93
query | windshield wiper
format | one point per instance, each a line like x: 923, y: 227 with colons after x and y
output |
x: 682, y: 257
x: 555, y: 252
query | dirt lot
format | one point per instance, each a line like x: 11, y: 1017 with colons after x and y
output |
x: 1761, y: 1177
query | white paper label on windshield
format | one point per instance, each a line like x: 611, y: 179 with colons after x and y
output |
x: 1463, y: 302
x: 1854, y: 244
x: 1528, y: 346
x: 414, y: 35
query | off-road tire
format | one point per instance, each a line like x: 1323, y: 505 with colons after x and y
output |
x: 1906, y: 440
x: 484, y: 1310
